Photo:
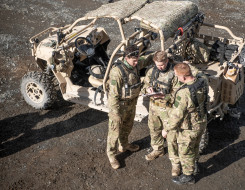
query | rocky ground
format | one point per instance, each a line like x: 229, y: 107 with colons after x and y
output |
x: 64, y: 148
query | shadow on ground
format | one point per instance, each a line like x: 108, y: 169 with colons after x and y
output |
x: 144, y: 143
x: 222, y: 133
x: 21, y: 131
x: 223, y: 159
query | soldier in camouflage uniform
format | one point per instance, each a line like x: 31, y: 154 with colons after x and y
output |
x: 159, y: 78
x: 188, y: 121
x: 124, y: 88
x: 172, y: 135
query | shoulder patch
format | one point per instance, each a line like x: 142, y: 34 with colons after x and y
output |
x: 178, y: 98
x: 113, y: 82
x: 176, y: 104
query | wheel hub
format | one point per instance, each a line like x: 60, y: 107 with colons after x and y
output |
x: 34, y: 92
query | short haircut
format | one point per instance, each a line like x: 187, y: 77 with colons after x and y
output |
x: 183, y: 69
x: 130, y: 49
x: 160, y: 56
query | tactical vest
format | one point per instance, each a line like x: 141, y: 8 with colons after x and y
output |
x: 161, y: 81
x: 131, y: 80
x: 199, y: 95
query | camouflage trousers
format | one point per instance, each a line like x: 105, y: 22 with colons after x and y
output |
x: 156, y: 119
x: 118, y: 132
x: 183, y: 148
x: 173, y: 147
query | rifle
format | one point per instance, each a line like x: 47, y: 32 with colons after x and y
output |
x: 152, y: 94
x: 198, y: 18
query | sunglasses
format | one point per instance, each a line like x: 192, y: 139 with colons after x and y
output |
x: 133, y: 54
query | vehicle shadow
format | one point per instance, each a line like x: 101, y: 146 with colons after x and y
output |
x: 222, y: 133
x: 22, y: 131
x: 223, y: 159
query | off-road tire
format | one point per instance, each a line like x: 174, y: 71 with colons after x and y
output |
x: 204, y: 141
x: 38, y: 90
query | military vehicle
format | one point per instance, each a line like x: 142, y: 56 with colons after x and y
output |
x: 76, y: 55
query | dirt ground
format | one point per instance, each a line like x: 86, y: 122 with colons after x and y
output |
x: 64, y: 147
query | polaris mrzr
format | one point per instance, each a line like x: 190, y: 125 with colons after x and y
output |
x: 76, y: 55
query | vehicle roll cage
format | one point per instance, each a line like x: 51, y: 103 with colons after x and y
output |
x: 124, y: 42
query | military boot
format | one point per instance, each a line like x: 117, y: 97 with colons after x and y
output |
x: 114, y: 163
x: 184, y: 179
x: 154, y: 154
x: 176, y: 170
x: 197, y: 168
x: 130, y: 147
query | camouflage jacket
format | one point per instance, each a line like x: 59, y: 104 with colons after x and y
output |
x: 176, y: 84
x: 166, y: 80
x: 117, y: 85
x: 160, y: 81
x: 184, y: 113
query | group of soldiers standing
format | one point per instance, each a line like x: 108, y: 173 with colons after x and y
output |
x: 178, y: 109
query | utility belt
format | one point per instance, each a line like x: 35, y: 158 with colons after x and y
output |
x: 160, y: 103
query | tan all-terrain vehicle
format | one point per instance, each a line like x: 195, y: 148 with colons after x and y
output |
x: 76, y: 54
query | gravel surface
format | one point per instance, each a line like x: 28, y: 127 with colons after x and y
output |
x: 64, y: 148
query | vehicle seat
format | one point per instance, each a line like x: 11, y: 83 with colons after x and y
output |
x: 95, y: 82
x: 96, y: 75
